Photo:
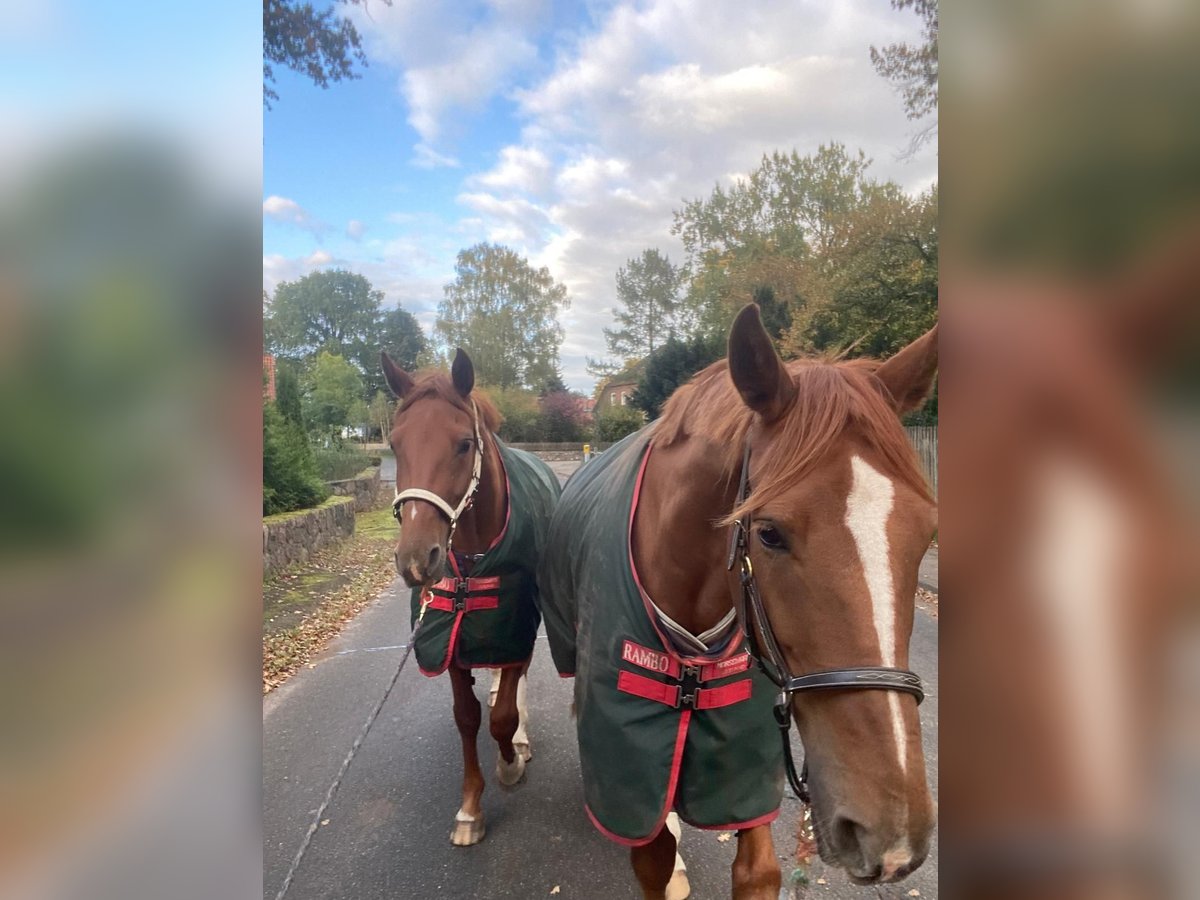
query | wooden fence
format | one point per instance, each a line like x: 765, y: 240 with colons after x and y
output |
x: 924, y: 439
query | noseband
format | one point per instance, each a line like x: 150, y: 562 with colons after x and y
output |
x: 765, y: 648
x: 450, y: 512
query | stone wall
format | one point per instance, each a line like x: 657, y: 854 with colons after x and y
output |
x: 363, y: 487
x: 290, y: 538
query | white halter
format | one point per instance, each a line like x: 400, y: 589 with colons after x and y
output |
x: 451, y: 512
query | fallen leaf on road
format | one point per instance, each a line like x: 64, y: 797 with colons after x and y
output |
x: 724, y: 836
x: 822, y: 881
x: 914, y: 893
x: 555, y: 890
x: 324, y: 821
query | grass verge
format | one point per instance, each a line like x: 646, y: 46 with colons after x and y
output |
x: 308, y: 605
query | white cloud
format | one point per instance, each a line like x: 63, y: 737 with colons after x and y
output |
x: 278, y: 268
x: 425, y: 157
x: 288, y: 211
x: 355, y: 230
x: 647, y: 105
x: 453, y: 58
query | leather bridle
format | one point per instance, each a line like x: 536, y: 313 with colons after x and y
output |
x: 764, y: 648
x: 450, y: 512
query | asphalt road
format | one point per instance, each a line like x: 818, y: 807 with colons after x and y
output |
x: 387, y: 831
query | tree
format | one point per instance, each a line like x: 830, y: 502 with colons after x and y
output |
x: 381, y: 412
x: 648, y: 289
x: 504, y: 313
x: 322, y: 45
x: 334, y: 388
x: 879, y: 290
x: 913, y: 71
x: 773, y: 229
x: 669, y: 367
x: 333, y: 310
x: 836, y: 259
x: 290, y: 479
x: 398, y: 332
x: 340, y: 312
x: 287, y: 393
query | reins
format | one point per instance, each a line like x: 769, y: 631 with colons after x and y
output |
x: 764, y: 647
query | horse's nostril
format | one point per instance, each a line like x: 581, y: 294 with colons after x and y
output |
x: 848, y: 835
x: 435, y: 557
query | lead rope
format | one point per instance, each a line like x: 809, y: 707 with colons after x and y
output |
x: 337, y: 780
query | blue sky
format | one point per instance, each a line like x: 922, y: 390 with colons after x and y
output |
x: 569, y: 132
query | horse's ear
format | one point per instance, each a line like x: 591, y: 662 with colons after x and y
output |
x: 462, y: 373
x: 756, y: 369
x: 398, y: 380
x: 908, y: 375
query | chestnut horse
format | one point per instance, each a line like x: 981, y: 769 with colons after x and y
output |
x: 839, y: 517
x: 473, y: 514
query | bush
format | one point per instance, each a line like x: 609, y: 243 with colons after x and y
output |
x: 562, y: 419
x: 616, y: 422
x: 290, y: 477
x: 337, y: 463
x: 519, y: 410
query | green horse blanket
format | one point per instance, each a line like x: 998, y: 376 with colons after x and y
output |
x: 487, y: 616
x: 657, y: 730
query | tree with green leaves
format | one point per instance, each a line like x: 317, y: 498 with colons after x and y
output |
x: 913, y: 70
x: 771, y: 229
x: 648, y: 290
x: 340, y: 312
x: 290, y: 478
x: 838, y: 260
x: 670, y: 366
x: 323, y: 45
x: 334, y: 388
x: 398, y: 332
x: 504, y: 313
x: 381, y: 412
x: 878, y: 290
x: 334, y: 310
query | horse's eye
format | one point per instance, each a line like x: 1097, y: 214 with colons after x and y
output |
x: 464, y: 446
x: 770, y: 538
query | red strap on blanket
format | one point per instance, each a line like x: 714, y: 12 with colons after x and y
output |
x: 445, y: 592
x: 671, y: 694
x: 446, y: 604
x: 665, y: 664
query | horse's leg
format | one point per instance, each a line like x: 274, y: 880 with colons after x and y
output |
x: 755, y: 869
x: 495, y: 688
x: 521, y: 737
x: 510, y: 765
x: 654, y: 865
x: 468, y: 714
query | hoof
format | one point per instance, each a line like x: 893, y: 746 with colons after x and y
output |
x: 510, y: 774
x: 524, y: 751
x: 678, y: 887
x: 468, y: 829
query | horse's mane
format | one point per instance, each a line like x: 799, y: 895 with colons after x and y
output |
x: 830, y: 397
x: 439, y: 386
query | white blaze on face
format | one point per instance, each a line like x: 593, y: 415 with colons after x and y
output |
x: 868, y: 508
x: 1076, y: 555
